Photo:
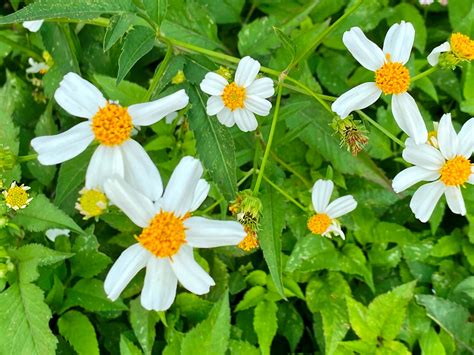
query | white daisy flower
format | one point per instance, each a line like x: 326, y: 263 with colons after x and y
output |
x: 391, y: 77
x: 239, y: 101
x: 33, y: 26
x: 324, y: 222
x: 165, y: 245
x: 426, y: 2
x: 447, y: 167
x: 111, y: 125
x: 53, y: 233
x: 460, y: 45
x: 36, y: 67
x: 16, y: 196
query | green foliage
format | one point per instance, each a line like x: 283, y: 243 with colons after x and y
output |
x: 265, y: 324
x: 77, y: 329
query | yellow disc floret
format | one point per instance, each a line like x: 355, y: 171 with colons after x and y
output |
x: 16, y: 196
x: 456, y: 171
x: 319, y: 223
x: 164, y: 235
x: 112, y: 125
x: 250, y: 241
x: 392, y: 78
x: 91, y: 203
x: 462, y: 46
x: 233, y: 96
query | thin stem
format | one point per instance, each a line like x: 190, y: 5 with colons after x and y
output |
x: 380, y: 128
x: 283, y: 192
x: 425, y: 73
x: 270, y: 140
x: 286, y: 166
x: 25, y: 158
x: 159, y: 73
x: 21, y: 48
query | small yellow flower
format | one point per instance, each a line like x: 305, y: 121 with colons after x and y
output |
x: 16, y: 196
x: 250, y: 241
x: 178, y: 78
x: 462, y: 46
x: 91, y: 203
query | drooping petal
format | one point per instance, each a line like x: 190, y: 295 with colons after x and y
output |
x: 466, y: 139
x: 262, y: 87
x: 213, y: 84
x: 424, y: 200
x: 33, y: 26
x: 128, y: 264
x: 245, y: 120
x: 433, y: 57
x: 135, y: 205
x: 408, y: 117
x: 148, y: 113
x: 366, y: 52
x: 214, y: 105
x: 105, y: 163
x: 399, y: 42
x: 258, y: 105
x: 159, y: 289
x: 179, y: 194
x: 447, y: 137
x: 78, y: 96
x: 341, y: 206
x: 189, y: 273
x: 200, y: 194
x: 140, y: 171
x: 321, y: 193
x: 411, y: 176
x: 207, y: 233
x: 247, y: 71
x: 226, y: 117
x: 455, y: 200
x: 424, y: 155
x: 64, y: 146
x: 335, y: 229
x: 356, y: 98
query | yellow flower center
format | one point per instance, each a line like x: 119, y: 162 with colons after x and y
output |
x: 462, y: 46
x: 165, y: 234
x: 456, y: 171
x: 16, y: 197
x: 319, y: 223
x: 392, y: 78
x: 250, y: 241
x: 112, y: 124
x: 233, y: 96
x: 91, y: 203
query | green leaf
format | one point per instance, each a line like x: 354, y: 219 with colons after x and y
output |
x: 358, y: 316
x: 156, y: 9
x: 290, y: 324
x: 448, y: 245
x: 127, y: 93
x: 88, y: 261
x: 138, y: 42
x: 410, y: 14
x: 143, y: 325
x: 252, y: 297
x: 258, y: 38
x: 118, y: 26
x: 225, y: 11
x: 431, y: 344
x: 214, y: 144
x: 77, y: 9
x: 272, y: 223
x: 242, y: 348
x: 77, y: 329
x: 24, y: 321
x: 127, y: 347
x: 211, y: 336
x: 287, y: 44
x: 461, y: 16
x: 193, y: 307
x: 265, y: 324
x: 41, y: 215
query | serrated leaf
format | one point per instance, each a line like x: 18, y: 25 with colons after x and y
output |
x: 265, y: 324
x: 358, y: 315
x: 143, y: 325
x: 88, y: 261
x: 193, y: 307
x: 287, y: 44
x: 156, y: 9
x: 252, y: 297
x: 77, y: 329
x: 127, y: 347
x: 118, y: 26
x: 138, y: 42
x: 242, y: 348
x: 290, y: 324
x: 24, y: 321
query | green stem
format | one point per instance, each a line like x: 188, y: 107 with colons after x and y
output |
x: 380, y: 128
x: 25, y: 158
x: 283, y: 192
x: 270, y: 140
x: 21, y: 48
x: 425, y: 73
x: 159, y: 73
x: 286, y: 166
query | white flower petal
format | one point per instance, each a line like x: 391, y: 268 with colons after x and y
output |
x: 424, y: 155
x: 433, y: 57
x: 170, y: 117
x: 399, y: 42
x: 140, y: 171
x: 135, y: 205
x: 213, y: 84
x: 262, y: 87
x: 258, y: 105
x: 408, y: 117
x: 471, y: 178
x: 207, y: 233
x: 466, y: 139
x: 128, y: 264
x: 226, y: 117
x: 53, y: 233
x: 36, y: 67
x: 64, y: 146
x: 245, y: 120
x: 33, y: 26
x: 455, y: 201
x: 200, y: 194
x: 356, y: 98
x: 366, y: 52
x: 214, y: 105
x: 148, y: 113
x: 447, y: 137
x: 179, y: 193
x: 78, y: 96
x: 105, y: 163
x: 247, y: 71
x: 159, y: 289
x: 424, y: 200
x: 189, y: 273
x: 341, y: 206
x: 320, y: 195
x: 336, y: 230
x: 411, y: 176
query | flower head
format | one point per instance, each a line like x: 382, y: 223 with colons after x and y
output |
x: 16, y: 196
x: 324, y: 222
x: 447, y: 167
x: 33, y: 26
x: 391, y: 77
x: 91, y: 203
x: 460, y: 48
x: 111, y: 126
x: 238, y: 102
x: 169, y: 234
